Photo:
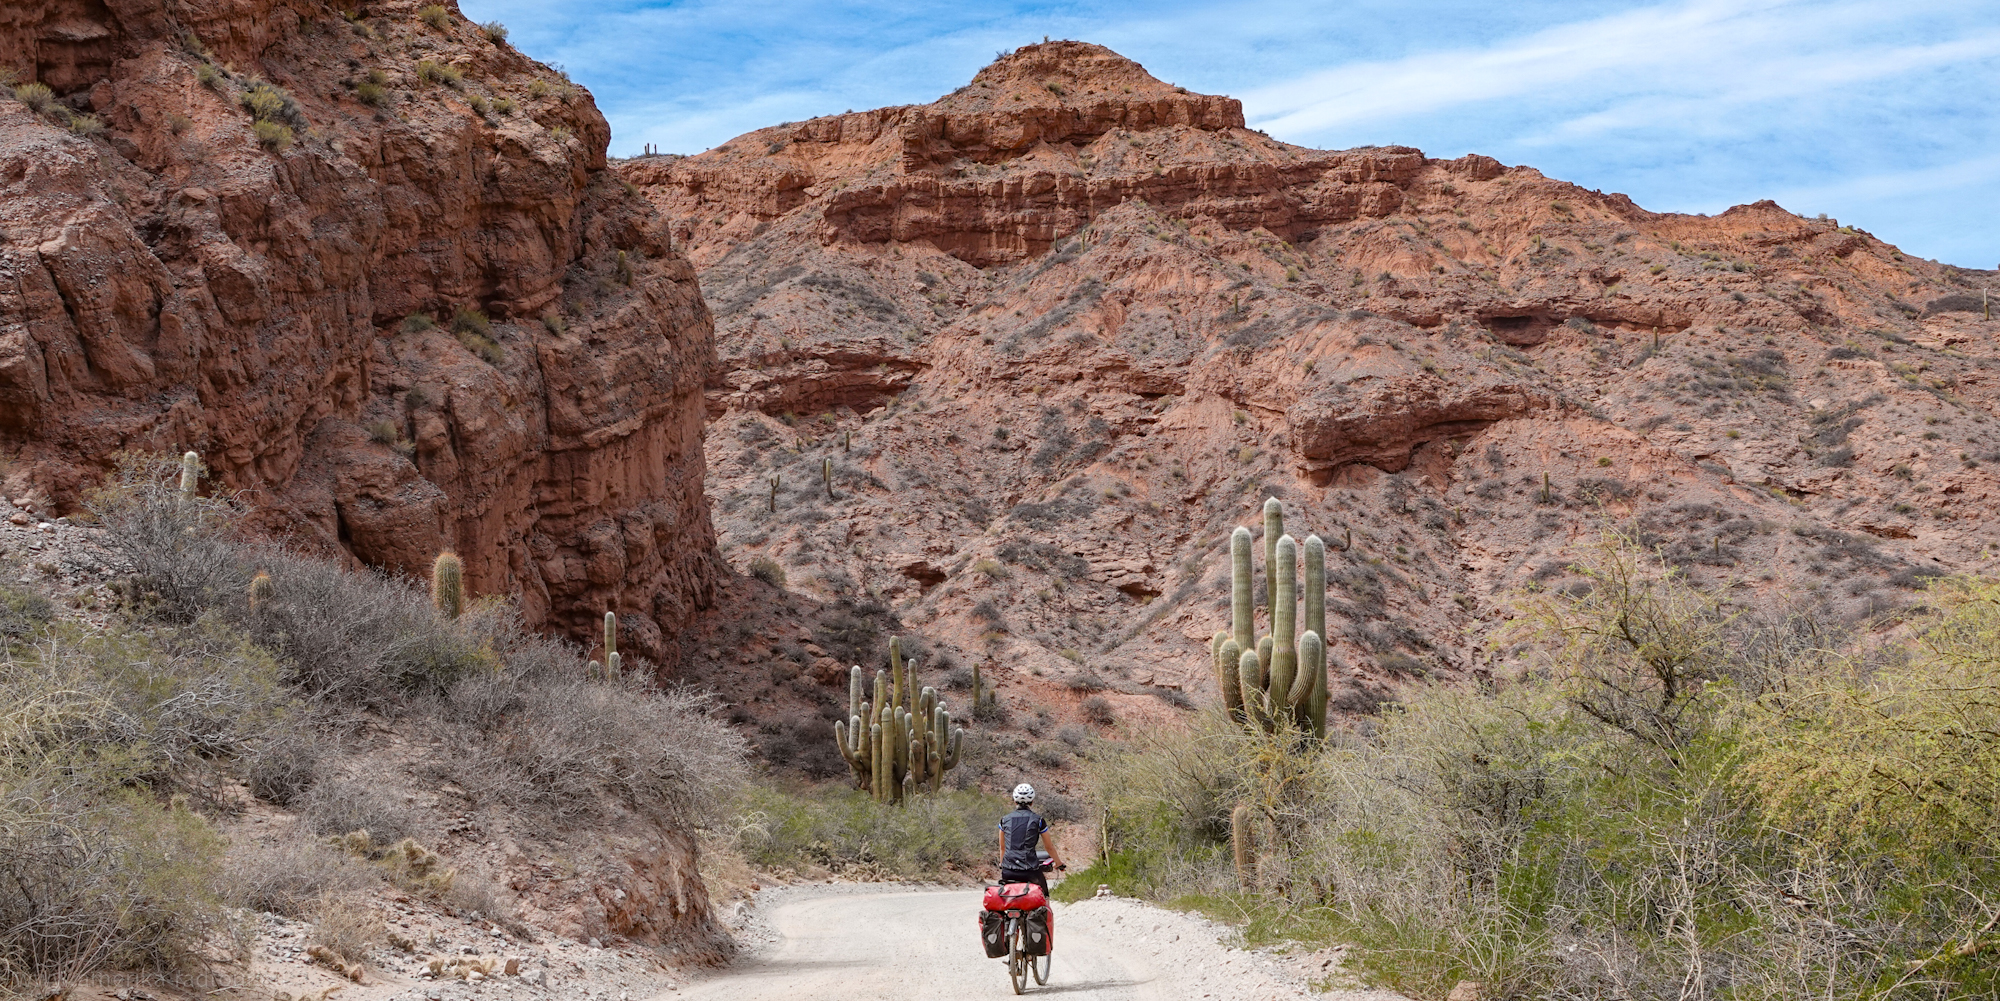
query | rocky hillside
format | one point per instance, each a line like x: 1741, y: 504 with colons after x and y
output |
x: 1053, y: 334
x: 368, y: 260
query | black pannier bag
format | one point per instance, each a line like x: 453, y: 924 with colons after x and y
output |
x: 1038, y: 933
x: 993, y: 932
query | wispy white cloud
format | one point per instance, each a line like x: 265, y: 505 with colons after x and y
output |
x: 1738, y: 51
x: 1944, y: 179
x: 1865, y: 109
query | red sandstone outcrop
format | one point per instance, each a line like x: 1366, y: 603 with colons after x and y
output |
x: 173, y: 282
x: 1060, y: 330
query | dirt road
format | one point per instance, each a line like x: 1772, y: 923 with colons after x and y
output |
x: 862, y: 943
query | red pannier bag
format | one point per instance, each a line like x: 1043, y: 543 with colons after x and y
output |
x: 1040, y: 928
x: 993, y: 933
x: 1015, y: 897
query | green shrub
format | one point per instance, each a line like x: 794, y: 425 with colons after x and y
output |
x: 845, y: 831
x: 37, y: 96
x: 432, y: 71
x: 475, y: 331
x: 263, y: 101
x: 372, y: 94
x: 495, y: 32
x: 767, y: 570
x: 86, y: 125
x: 418, y: 323
x: 122, y: 883
x: 272, y: 136
x: 1662, y: 794
x: 434, y: 15
x: 23, y: 611
x: 208, y: 75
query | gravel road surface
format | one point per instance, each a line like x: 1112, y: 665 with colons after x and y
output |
x: 866, y: 942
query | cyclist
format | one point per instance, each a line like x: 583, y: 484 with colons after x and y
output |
x: 1021, y: 832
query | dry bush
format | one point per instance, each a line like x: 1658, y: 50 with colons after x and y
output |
x: 567, y: 751
x: 122, y: 883
x: 348, y: 926
x: 287, y: 763
x: 480, y: 899
x: 290, y: 875
x: 345, y: 805
x: 180, y: 551
x: 100, y: 864
x: 355, y: 638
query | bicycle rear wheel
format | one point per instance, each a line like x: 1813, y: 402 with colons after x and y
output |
x: 1041, y: 965
x: 1017, y: 961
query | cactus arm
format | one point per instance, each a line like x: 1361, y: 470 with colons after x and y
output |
x: 1312, y: 657
x: 877, y: 784
x: 1226, y: 678
x: 1274, y: 529
x: 951, y: 747
x: 1316, y: 699
x: 1315, y: 594
x: 1252, y: 671
x: 1284, y: 626
x: 898, y: 682
x: 840, y: 741
x: 1242, y: 613
x: 1265, y: 645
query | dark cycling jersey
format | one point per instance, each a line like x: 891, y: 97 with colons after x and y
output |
x: 1023, y: 829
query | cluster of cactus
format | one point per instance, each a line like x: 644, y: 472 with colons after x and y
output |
x: 1277, y: 681
x: 611, y: 666
x: 902, y: 741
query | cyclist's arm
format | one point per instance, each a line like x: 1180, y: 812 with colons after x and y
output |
x: 1003, y: 847
x: 1049, y: 845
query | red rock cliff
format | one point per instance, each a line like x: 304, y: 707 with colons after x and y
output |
x: 228, y: 226
x: 1055, y: 334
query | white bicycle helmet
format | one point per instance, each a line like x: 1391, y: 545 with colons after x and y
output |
x: 1024, y: 794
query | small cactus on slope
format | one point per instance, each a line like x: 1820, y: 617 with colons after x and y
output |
x: 190, y: 475
x: 448, y: 584
x: 260, y: 590
x: 612, y: 664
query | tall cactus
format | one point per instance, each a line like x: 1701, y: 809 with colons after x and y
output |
x: 448, y: 584
x: 1276, y: 680
x: 902, y: 741
x: 1243, y: 845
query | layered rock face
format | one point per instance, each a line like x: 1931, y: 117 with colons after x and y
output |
x: 1062, y: 329
x: 373, y: 268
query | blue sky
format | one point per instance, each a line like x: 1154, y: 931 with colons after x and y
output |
x: 1883, y: 114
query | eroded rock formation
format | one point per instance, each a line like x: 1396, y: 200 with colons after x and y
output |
x: 375, y: 271
x: 1062, y: 329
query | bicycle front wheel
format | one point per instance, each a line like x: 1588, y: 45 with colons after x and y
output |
x: 1041, y: 965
